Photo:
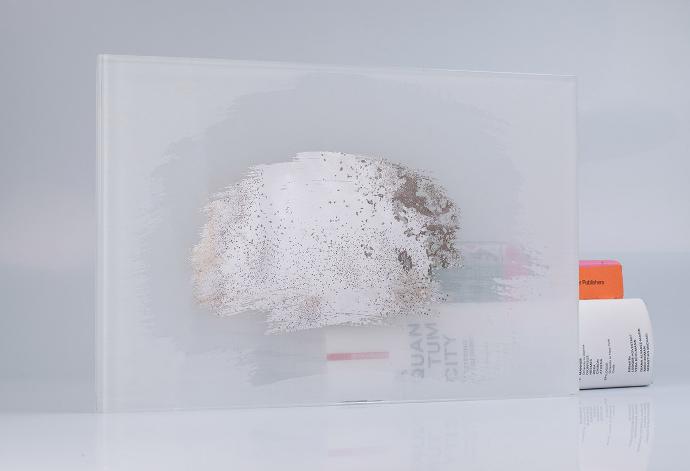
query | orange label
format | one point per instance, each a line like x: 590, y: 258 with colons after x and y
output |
x: 601, y: 279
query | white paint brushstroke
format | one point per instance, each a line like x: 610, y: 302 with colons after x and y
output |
x: 326, y: 239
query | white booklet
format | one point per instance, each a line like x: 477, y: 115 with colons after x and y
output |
x: 616, y: 344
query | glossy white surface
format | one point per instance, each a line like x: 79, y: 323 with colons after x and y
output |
x: 280, y: 141
x: 627, y: 429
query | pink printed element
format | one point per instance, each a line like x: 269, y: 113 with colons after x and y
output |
x: 593, y: 263
x: 515, y: 262
x: 357, y: 356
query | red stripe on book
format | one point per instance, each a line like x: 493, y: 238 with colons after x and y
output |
x: 357, y: 356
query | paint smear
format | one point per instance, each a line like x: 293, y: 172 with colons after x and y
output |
x: 326, y: 239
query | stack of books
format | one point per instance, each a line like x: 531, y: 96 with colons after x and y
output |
x: 616, y: 344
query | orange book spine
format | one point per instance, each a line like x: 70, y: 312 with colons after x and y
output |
x: 601, y: 279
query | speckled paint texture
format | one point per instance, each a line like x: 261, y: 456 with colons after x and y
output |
x: 326, y: 238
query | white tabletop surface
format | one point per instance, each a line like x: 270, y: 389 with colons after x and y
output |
x: 628, y: 429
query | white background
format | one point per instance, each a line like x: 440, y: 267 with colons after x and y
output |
x: 632, y: 60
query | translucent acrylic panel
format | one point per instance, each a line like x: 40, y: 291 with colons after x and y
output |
x: 277, y: 234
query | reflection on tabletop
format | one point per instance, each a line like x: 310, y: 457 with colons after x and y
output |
x: 603, y: 429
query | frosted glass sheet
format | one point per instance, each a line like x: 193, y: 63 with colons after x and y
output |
x: 278, y: 234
